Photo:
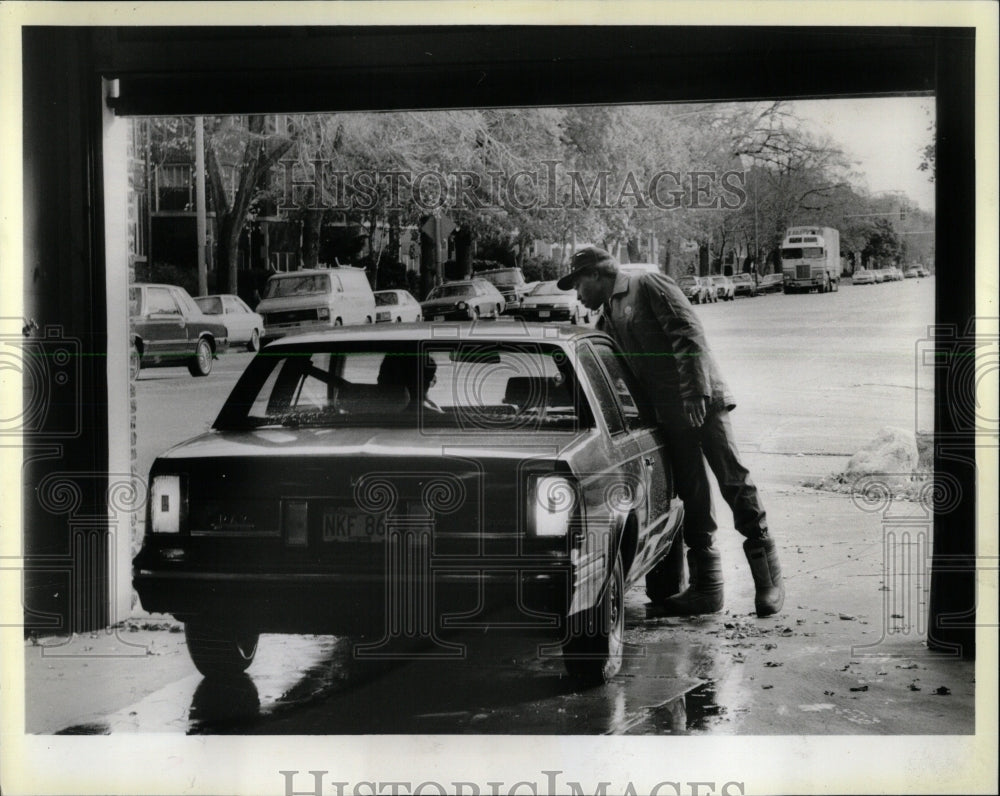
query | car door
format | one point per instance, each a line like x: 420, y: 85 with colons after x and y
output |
x: 165, y: 333
x: 648, y: 464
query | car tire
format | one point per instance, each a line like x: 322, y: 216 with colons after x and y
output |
x: 254, y: 342
x: 398, y: 319
x: 134, y: 363
x: 201, y: 363
x: 497, y: 313
x: 217, y: 651
x: 475, y: 313
x: 338, y: 322
x: 594, y: 650
x: 667, y: 578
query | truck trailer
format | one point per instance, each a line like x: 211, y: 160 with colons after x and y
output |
x: 810, y: 259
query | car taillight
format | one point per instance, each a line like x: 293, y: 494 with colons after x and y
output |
x: 553, y: 503
x: 167, y: 504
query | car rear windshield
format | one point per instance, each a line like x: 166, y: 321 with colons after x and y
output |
x: 305, y: 285
x: 480, y: 386
x: 807, y: 253
x: 385, y: 299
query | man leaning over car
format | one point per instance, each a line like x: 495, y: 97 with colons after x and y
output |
x: 665, y: 346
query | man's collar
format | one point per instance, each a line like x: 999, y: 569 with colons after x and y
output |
x: 621, y: 284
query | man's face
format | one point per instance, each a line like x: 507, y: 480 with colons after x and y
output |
x: 591, y: 290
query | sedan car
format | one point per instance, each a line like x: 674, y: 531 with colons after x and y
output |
x: 398, y: 306
x: 724, y: 287
x: 243, y: 324
x: 168, y: 329
x: 770, y: 283
x: 744, y: 285
x: 546, y: 302
x: 466, y: 299
x: 863, y: 277
x: 355, y: 476
x: 510, y: 282
x: 696, y: 289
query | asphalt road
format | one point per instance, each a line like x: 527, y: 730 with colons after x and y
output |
x: 815, y: 376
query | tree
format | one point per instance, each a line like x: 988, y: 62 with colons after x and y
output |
x: 245, y: 145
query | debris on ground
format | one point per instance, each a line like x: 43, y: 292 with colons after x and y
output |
x: 942, y: 691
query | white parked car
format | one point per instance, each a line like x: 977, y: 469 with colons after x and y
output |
x: 397, y: 306
x: 243, y: 324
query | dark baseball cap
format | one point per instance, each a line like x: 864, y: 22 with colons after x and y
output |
x: 583, y: 261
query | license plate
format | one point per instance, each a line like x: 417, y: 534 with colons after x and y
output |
x: 345, y: 525
x: 381, y: 316
x: 544, y: 313
x: 439, y: 317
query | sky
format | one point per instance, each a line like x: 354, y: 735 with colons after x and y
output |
x: 884, y: 136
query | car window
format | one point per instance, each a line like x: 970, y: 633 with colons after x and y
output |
x: 235, y: 305
x: 622, y: 382
x: 304, y: 285
x: 451, y: 291
x: 210, y: 305
x: 386, y: 299
x: 159, y: 300
x: 607, y: 402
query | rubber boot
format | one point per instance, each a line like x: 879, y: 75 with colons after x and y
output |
x: 769, y: 589
x: 704, y: 592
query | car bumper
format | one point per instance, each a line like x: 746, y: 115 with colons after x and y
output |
x: 359, y: 602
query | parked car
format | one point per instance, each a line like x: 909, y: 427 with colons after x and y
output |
x: 724, y: 288
x: 878, y: 274
x: 696, y: 289
x: 910, y: 272
x: 315, y: 299
x: 396, y: 305
x: 744, y: 285
x: 244, y: 326
x: 863, y: 277
x: 465, y: 299
x: 771, y: 283
x: 326, y: 499
x: 169, y: 330
x: 510, y: 282
x: 922, y: 271
x: 546, y: 302
x: 894, y: 274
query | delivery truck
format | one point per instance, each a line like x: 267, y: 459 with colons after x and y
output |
x: 810, y: 259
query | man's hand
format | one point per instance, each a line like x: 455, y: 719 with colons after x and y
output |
x: 694, y: 409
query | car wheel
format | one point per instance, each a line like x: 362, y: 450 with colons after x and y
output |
x: 338, y: 322
x: 593, y: 653
x: 398, y: 319
x: 667, y: 578
x: 254, y: 343
x: 496, y: 312
x: 368, y: 319
x: 218, y: 651
x: 475, y: 313
x: 201, y: 363
x: 134, y: 363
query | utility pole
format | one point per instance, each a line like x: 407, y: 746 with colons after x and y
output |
x: 199, y: 202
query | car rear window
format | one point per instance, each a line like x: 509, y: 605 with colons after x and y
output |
x: 472, y: 386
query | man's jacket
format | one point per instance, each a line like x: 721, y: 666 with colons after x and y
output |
x: 663, y: 342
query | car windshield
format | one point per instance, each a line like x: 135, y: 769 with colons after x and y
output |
x: 741, y: 278
x: 718, y: 280
x: 451, y: 291
x: 687, y: 280
x: 504, y: 278
x: 210, y: 305
x: 481, y: 386
x: 385, y: 299
x: 807, y: 253
x: 297, y: 286
x: 550, y: 289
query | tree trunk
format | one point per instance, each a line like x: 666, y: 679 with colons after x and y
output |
x: 312, y: 225
x: 463, y: 252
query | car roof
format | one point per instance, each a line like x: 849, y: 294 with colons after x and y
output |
x: 466, y: 331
